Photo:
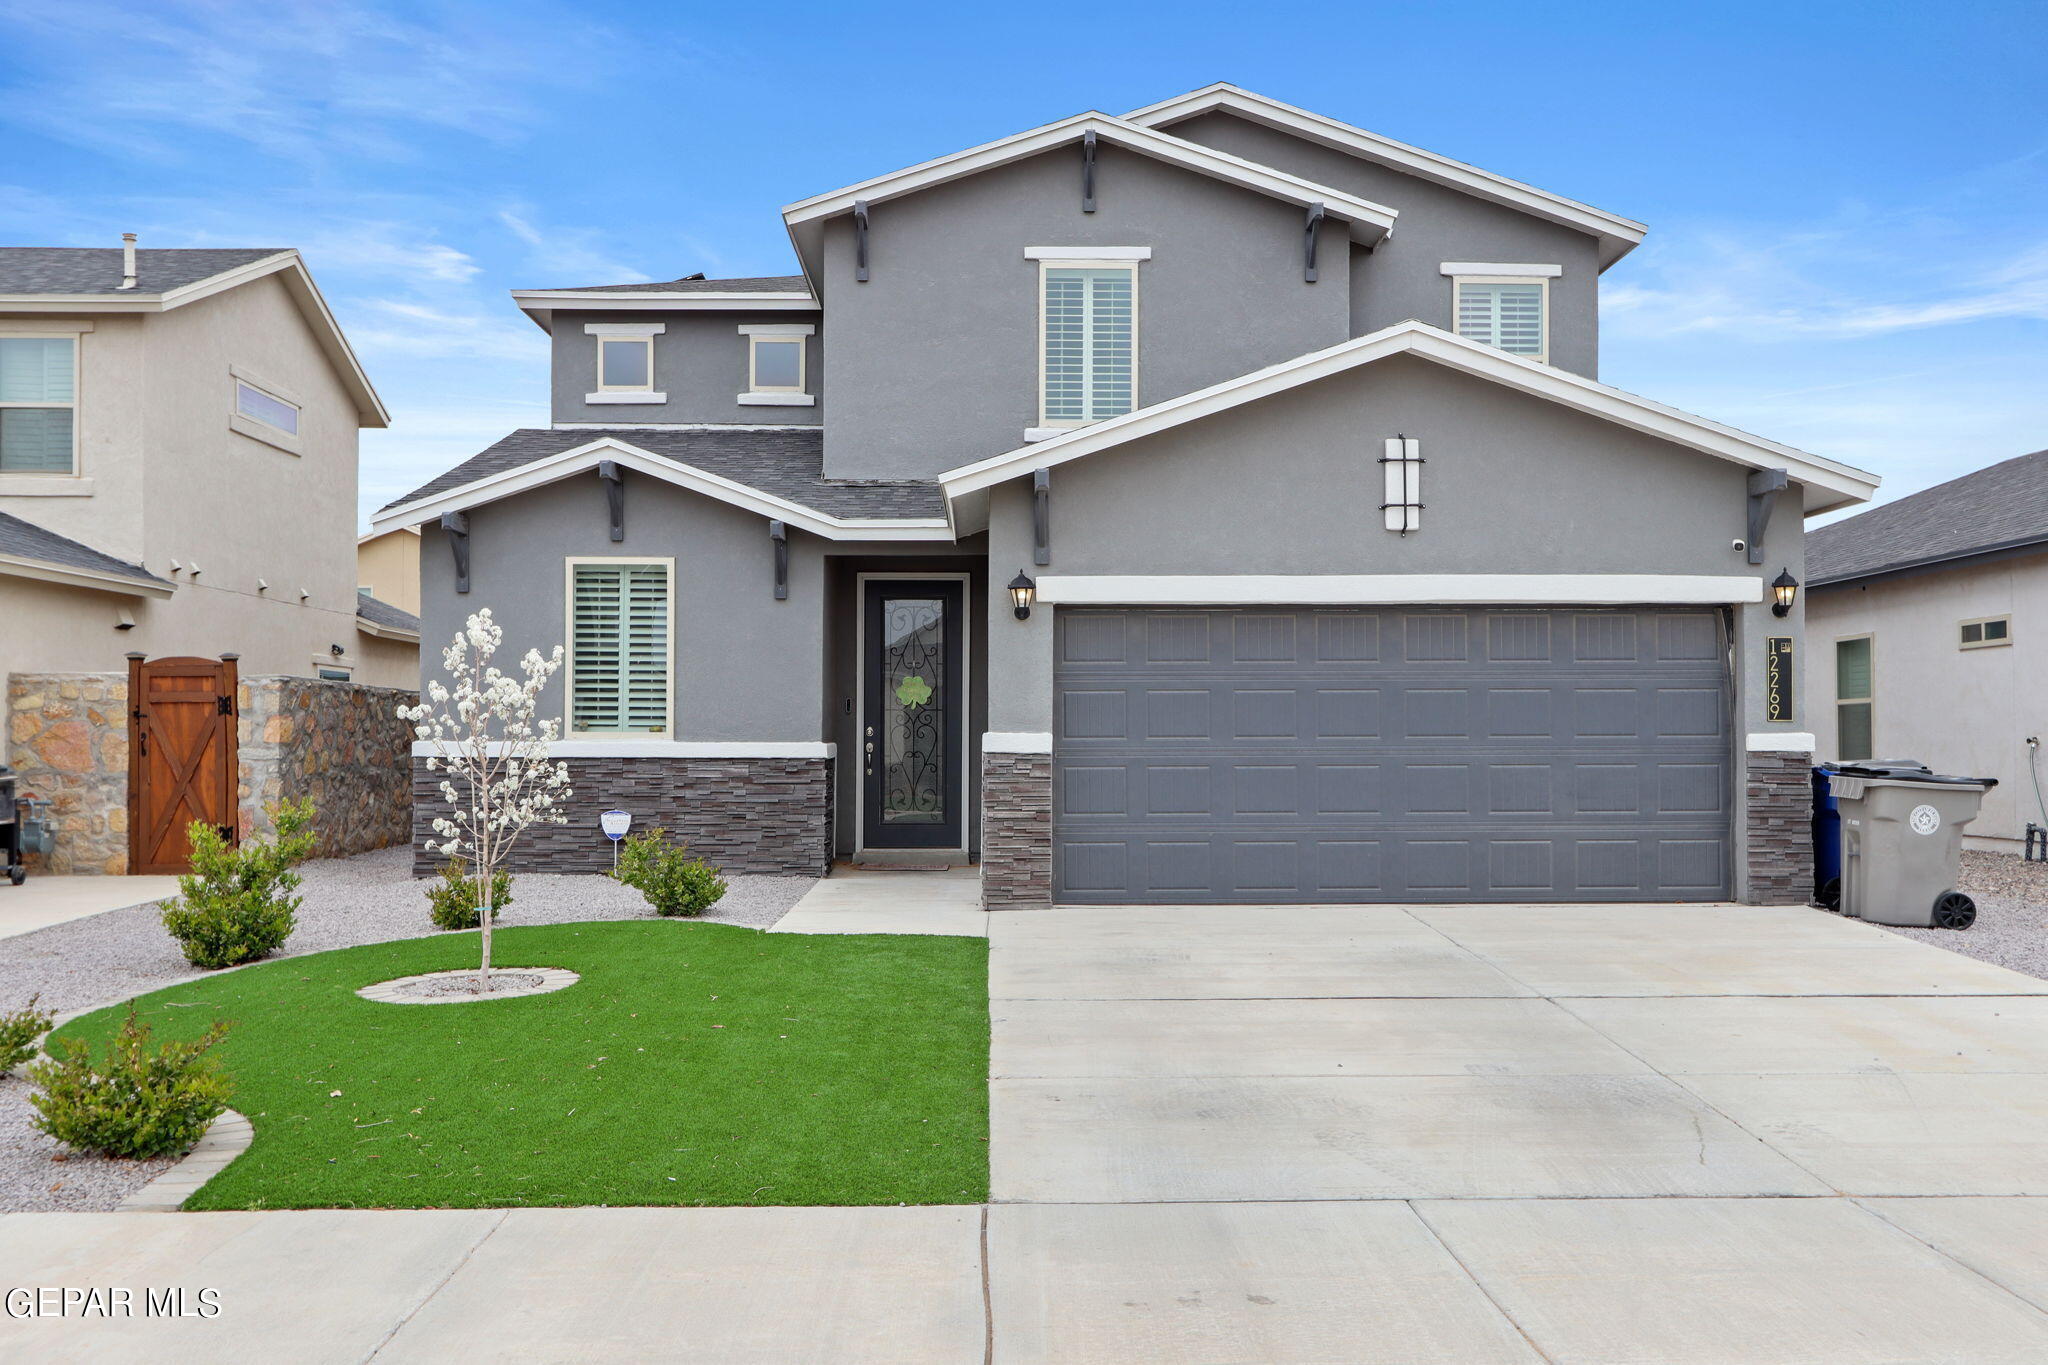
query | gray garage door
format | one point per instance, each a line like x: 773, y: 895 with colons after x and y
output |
x: 1273, y: 755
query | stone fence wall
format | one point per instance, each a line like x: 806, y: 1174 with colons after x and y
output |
x: 342, y: 744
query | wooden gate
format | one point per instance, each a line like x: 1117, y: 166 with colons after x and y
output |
x: 182, y: 759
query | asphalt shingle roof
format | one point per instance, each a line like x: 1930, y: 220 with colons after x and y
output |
x: 26, y: 540
x: 379, y: 613
x: 786, y: 463
x: 97, y: 270
x: 751, y: 284
x: 1996, y: 508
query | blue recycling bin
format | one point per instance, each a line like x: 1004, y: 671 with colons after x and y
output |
x: 1827, y: 844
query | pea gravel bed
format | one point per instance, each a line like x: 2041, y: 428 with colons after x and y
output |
x: 2012, y: 914
x: 370, y: 898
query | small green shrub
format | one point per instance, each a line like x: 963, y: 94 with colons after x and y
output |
x: 664, y: 872
x: 19, y: 1030
x: 452, y: 902
x: 238, y: 904
x: 142, y: 1102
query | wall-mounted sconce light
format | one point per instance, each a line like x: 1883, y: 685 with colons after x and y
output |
x: 1784, y: 592
x: 1022, y: 593
x: 336, y: 650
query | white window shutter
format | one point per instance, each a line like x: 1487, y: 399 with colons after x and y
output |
x: 1402, y: 464
x: 620, y: 645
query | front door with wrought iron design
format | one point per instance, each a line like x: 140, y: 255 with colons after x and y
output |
x: 914, y: 718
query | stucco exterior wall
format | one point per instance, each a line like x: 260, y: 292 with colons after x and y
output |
x: 1403, y: 277
x: 935, y: 360
x: 1966, y: 711
x: 163, y: 478
x: 700, y: 365
x: 389, y: 566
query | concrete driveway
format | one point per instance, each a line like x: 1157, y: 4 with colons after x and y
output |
x: 1462, y: 1134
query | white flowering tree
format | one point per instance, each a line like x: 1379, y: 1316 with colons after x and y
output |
x: 484, y: 736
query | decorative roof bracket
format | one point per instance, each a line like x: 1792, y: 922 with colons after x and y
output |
x: 779, y: 533
x: 456, y: 524
x: 1041, y: 516
x: 860, y: 240
x: 614, y: 495
x: 1088, y: 171
x: 1312, y: 220
x: 1764, y: 487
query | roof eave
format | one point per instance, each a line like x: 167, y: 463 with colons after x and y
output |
x: 383, y: 632
x: 69, y: 575
x: 1960, y: 559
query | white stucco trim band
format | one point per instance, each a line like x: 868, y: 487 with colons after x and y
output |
x: 1790, y: 742
x: 671, y: 748
x: 1828, y: 483
x: 1017, y: 742
x: 1444, y: 589
x: 584, y: 458
x: 1524, y: 271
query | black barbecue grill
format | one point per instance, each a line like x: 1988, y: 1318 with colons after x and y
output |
x: 22, y: 828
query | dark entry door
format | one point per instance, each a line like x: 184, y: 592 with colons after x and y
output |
x: 1407, y: 754
x: 914, y: 722
x: 181, y: 757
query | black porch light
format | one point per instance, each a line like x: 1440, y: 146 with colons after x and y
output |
x: 1784, y: 592
x: 1022, y: 591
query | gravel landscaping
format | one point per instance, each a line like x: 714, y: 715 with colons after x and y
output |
x: 2012, y: 914
x: 371, y: 898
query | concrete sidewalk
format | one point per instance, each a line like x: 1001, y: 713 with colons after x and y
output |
x: 41, y: 902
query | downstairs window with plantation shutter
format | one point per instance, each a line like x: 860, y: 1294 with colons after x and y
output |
x: 620, y: 647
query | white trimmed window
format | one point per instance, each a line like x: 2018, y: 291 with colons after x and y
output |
x: 1855, y: 696
x: 1088, y: 362
x: 261, y: 405
x: 621, y: 642
x: 778, y: 364
x: 38, y: 405
x: 625, y: 364
x: 1987, y: 632
x: 1511, y: 312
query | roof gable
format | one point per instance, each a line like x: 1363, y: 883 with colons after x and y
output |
x: 2001, y: 507
x: 1618, y: 236
x: 1369, y: 222
x: 1830, y: 484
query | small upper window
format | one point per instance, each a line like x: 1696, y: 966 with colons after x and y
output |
x: 625, y: 364
x: 1089, y: 367
x: 38, y: 402
x: 1506, y: 312
x: 1984, y: 634
x: 776, y: 364
x: 266, y: 408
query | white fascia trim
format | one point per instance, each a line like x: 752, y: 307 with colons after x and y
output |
x: 1790, y: 742
x: 642, y: 396
x: 1618, y: 235
x: 566, y: 300
x: 42, y: 571
x: 680, y: 426
x: 1527, y: 271
x: 1829, y: 484
x: 1017, y: 742
x: 624, y: 329
x: 369, y: 627
x: 776, y: 400
x: 1369, y: 221
x: 1591, y: 589
x: 668, y: 748
x: 378, y: 535
x: 1087, y: 253
x: 583, y: 458
x: 1034, y: 434
x: 777, y: 329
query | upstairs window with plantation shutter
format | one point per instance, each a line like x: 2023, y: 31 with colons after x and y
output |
x: 620, y: 646
x: 1506, y: 313
x: 1090, y: 343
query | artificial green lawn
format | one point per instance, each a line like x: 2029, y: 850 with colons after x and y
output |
x: 692, y: 1064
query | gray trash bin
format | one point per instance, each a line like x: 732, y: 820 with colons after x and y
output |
x: 1902, y: 839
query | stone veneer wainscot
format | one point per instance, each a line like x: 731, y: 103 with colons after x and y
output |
x: 1779, y: 828
x: 760, y: 816
x: 1016, y: 831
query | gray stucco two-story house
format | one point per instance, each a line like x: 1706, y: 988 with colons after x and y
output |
x: 1217, y: 503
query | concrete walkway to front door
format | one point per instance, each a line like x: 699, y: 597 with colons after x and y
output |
x: 1614, y: 1133
x: 1470, y: 1134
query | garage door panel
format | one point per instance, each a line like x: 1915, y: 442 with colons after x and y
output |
x: 1330, y: 754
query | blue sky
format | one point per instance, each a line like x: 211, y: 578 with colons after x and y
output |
x: 1848, y: 203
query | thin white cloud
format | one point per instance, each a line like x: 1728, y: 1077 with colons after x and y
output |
x: 404, y: 327
x: 566, y: 255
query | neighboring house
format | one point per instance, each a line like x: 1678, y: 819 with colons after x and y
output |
x: 178, y: 435
x: 178, y: 465
x: 388, y: 568
x: 1216, y: 503
x: 1929, y: 623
